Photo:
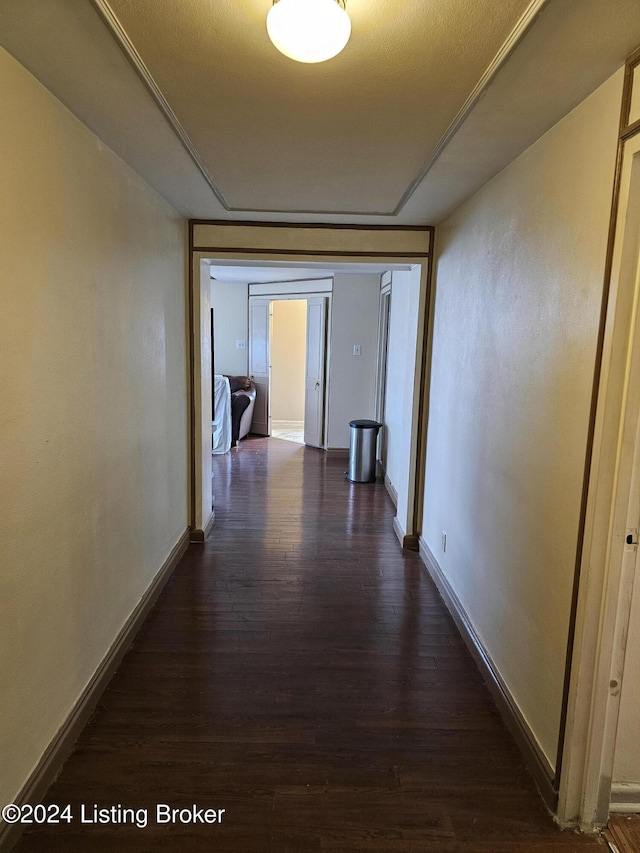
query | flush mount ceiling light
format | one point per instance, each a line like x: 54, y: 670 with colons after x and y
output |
x: 309, y: 30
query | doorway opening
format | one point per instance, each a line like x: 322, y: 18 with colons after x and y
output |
x: 287, y: 369
x: 288, y: 356
x: 297, y: 253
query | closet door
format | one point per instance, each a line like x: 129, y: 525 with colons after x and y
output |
x: 259, y: 332
x: 315, y: 370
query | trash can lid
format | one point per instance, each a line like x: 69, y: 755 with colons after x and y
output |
x: 365, y: 424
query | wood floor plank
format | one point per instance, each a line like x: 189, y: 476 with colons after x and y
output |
x: 301, y: 671
x: 624, y: 831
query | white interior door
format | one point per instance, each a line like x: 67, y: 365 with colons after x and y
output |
x: 601, y: 761
x: 625, y: 790
x: 315, y: 371
x: 259, y: 322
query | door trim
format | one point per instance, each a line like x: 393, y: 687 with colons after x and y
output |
x: 587, y: 735
x: 277, y: 243
x: 274, y: 295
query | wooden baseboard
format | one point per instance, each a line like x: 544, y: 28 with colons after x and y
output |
x: 56, y: 753
x: 393, y: 494
x: 411, y: 543
x: 397, y: 529
x: 342, y: 452
x: 199, y: 536
x: 536, y: 760
x: 625, y: 797
x: 408, y: 542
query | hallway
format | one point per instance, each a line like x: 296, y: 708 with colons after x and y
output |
x: 301, y: 673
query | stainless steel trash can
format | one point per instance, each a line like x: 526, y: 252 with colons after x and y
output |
x: 362, y: 451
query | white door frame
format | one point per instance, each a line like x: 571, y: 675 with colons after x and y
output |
x: 384, y: 311
x: 603, y: 605
x: 280, y: 291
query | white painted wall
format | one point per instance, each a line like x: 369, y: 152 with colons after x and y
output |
x: 230, y: 324
x: 93, y: 429
x: 288, y: 359
x: 354, y: 320
x: 400, y: 385
x: 519, y: 277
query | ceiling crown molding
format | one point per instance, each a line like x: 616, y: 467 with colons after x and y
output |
x: 512, y: 41
x: 126, y: 45
x: 497, y: 63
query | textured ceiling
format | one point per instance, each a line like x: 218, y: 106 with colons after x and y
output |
x: 194, y: 96
x: 281, y: 135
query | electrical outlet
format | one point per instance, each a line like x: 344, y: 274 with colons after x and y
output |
x: 241, y: 344
x: 444, y: 541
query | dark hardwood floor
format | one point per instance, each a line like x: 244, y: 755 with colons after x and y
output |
x: 301, y: 672
x: 624, y: 832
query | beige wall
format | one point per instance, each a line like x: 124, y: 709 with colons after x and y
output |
x: 519, y: 276
x: 352, y: 378
x: 230, y: 324
x: 203, y: 395
x: 288, y: 357
x: 400, y: 385
x: 93, y: 450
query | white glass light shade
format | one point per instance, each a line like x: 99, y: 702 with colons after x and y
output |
x: 308, y: 30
